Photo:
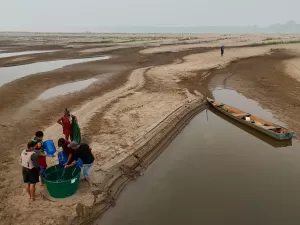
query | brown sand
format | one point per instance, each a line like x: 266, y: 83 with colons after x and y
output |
x: 19, y: 111
x: 125, y: 112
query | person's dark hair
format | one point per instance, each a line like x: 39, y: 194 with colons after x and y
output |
x: 67, y: 111
x: 39, y: 134
x: 31, y: 144
x: 61, y: 142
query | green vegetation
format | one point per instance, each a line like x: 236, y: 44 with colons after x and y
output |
x: 274, y: 43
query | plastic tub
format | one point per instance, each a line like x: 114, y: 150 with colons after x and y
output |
x: 61, y: 182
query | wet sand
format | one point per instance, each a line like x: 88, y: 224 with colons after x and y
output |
x: 118, y: 115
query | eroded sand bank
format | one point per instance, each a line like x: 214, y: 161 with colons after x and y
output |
x: 115, y: 118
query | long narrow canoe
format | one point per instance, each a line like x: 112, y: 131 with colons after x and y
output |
x: 268, y: 128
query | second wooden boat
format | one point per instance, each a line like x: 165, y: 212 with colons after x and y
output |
x: 273, y: 130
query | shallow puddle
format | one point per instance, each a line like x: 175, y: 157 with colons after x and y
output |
x: 214, y: 173
x: 66, y: 89
x: 8, y: 74
x: 10, y: 54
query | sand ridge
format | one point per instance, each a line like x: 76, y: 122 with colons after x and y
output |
x: 117, y: 119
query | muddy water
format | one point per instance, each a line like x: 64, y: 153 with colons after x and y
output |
x: 235, y: 99
x: 66, y: 89
x: 8, y: 74
x: 73, y: 87
x: 10, y: 54
x: 214, y: 173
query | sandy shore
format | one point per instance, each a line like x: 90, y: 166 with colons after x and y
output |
x: 156, y: 83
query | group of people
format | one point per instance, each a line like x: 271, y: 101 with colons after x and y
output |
x: 75, y: 151
x: 33, y: 158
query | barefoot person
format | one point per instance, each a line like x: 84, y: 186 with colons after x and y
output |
x: 30, y: 169
x: 83, y: 152
x: 39, y: 149
x: 67, y: 123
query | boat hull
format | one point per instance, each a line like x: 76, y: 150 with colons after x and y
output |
x: 277, y: 136
x: 255, y: 133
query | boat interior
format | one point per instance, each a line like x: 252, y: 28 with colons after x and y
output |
x: 251, y: 119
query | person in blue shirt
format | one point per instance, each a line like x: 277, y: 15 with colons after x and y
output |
x: 222, y: 50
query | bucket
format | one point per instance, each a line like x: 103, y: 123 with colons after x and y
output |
x: 62, y: 158
x: 79, y: 163
x: 49, y: 147
x: 62, y: 182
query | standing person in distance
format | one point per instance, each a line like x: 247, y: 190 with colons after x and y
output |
x: 222, y: 50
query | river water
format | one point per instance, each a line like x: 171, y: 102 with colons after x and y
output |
x: 8, y: 74
x: 73, y: 87
x: 66, y: 89
x: 237, y: 100
x: 10, y: 54
x: 215, y: 173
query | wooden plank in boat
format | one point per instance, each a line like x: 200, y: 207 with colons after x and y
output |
x: 240, y: 114
x: 269, y: 127
x: 219, y: 104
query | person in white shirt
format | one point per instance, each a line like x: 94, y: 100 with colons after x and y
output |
x: 30, y: 169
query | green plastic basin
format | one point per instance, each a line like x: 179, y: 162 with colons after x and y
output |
x: 61, y: 182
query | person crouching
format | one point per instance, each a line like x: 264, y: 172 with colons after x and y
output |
x: 83, y: 152
x: 62, y: 143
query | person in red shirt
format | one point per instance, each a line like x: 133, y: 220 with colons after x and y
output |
x: 39, y: 149
x: 67, y: 123
x: 69, y: 151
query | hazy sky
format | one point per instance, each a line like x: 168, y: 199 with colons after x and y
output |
x: 83, y: 15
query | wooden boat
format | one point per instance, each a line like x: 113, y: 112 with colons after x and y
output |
x: 268, y: 128
x: 255, y: 133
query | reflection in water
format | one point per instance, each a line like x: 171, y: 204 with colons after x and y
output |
x: 8, y: 74
x: 213, y: 173
x: 10, y: 54
x: 66, y: 89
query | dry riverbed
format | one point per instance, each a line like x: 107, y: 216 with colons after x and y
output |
x: 143, y: 86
